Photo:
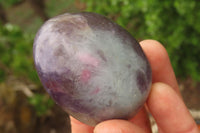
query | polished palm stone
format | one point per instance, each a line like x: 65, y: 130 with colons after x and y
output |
x: 93, y: 68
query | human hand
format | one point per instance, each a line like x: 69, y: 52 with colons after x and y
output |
x: 164, y: 102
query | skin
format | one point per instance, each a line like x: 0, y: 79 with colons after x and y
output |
x: 164, y: 102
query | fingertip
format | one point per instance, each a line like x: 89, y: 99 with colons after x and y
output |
x: 159, y: 94
x: 155, y: 51
x: 162, y: 70
x: 151, y: 42
x: 117, y: 126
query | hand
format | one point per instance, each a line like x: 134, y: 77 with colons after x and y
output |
x: 164, y: 102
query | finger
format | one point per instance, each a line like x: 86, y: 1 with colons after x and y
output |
x: 79, y: 127
x: 117, y: 126
x: 169, y: 111
x: 162, y: 70
x: 141, y: 120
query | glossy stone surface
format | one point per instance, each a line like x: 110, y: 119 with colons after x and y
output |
x: 94, y: 69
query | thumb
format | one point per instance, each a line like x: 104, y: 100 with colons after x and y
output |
x: 117, y: 126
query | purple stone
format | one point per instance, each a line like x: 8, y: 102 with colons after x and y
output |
x: 94, y: 69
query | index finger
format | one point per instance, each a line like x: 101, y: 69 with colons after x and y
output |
x: 162, y: 70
